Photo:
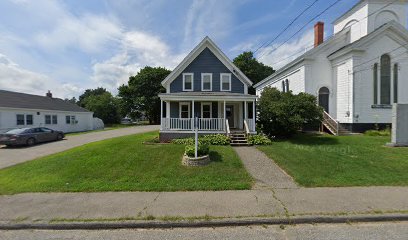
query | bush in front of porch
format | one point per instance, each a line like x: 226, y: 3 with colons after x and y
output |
x: 213, y: 139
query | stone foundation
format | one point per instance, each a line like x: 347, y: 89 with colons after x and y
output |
x: 195, y: 162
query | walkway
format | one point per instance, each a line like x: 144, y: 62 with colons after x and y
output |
x: 278, y: 203
x: 13, y: 156
x: 265, y: 171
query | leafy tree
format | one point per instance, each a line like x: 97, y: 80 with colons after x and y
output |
x: 104, y: 106
x: 72, y: 100
x: 252, y: 68
x: 283, y: 114
x: 141, y: 93
x: 90, y: 92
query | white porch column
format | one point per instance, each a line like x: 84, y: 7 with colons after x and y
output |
x: 167, y: 109
x: 245, y: 110
x: 161, y: 114
x: 225, y: 117
x: 192, y: 115
x: 253, y: 115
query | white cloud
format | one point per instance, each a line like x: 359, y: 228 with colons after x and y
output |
x: 287, y: 52
x: 15, y: 78
x: 89, y: 33
x: 138, y: 50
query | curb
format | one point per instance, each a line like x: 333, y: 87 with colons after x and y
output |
x: 206, y: 223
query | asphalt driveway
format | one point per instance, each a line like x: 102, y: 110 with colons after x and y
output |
x: 15, y: 155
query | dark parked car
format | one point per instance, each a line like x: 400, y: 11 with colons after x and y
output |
x: 29, y: 136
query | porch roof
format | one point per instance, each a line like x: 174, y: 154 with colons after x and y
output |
x: 208, y: 96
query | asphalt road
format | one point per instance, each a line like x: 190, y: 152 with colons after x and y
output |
x: 369, y: 231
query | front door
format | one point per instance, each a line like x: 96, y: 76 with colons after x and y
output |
x: 324, y: 94
x: 229, y: 111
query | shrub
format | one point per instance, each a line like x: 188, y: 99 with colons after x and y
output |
x: 215, y: 139
x: 183, y: 141
x: 259, y: 139
x: 385, y: 133
x: 202, y: 150
x: 283, y: 114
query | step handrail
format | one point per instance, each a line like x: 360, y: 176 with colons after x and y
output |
x: 246, y: 127
x: 227, y: 127
x: 331, y: 122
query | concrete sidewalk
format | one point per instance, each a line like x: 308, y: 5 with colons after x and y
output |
x: 13, y: 156
x: 224, y: 204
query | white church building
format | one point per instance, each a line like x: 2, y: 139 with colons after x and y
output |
x: 359, y: 72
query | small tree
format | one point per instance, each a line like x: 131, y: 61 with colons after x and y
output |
x: 283, y: 114
x: 104, y: 106
x: 252, y: 68
x: 141, y: 93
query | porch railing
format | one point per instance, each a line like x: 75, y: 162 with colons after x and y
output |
x: 187, y: 124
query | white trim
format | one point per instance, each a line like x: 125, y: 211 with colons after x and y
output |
x: 192, y: 82
x: 206, y: 43
x: 189, y: 108
x: 190, y: 131
x: 208, y: 104
x: 202, y: 82
x: 229, y: 80
x: 207, y: 98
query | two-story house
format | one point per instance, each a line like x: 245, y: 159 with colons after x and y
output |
x: 208, y: 87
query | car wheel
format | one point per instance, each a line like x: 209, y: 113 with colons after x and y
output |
x: 30, y: 142
x: 60, y: 137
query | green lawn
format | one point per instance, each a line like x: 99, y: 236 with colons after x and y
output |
x: 125, y: 164
x: 109, y: 127
x: 317, y: 161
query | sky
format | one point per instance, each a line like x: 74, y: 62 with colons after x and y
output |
x: 70, y: 46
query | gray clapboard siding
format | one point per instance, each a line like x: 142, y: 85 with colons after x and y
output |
x: 174, y: 109
x: 207, y: 62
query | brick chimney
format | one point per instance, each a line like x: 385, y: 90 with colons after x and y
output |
x: 318, y: 33
x: 48, y: 94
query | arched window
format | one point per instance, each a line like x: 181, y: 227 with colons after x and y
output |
x: 283, y: 86
x: 287, y: 85
x: 385, y: 84
x: 375, y: 81
x: 396, y: 83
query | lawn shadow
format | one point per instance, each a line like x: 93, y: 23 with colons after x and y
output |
x: 311, y: 139
x: 215, y: 156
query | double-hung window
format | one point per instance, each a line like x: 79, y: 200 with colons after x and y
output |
x: 54, y: 119
x: 20, y: 119
x: 184, y: 110
x: 188, y: 81
x: 206, y: 81
x: 47, y: 119
x: 225, y: 79
x: 68, y: 119
x: 206, y: 110
x: 29, y: 119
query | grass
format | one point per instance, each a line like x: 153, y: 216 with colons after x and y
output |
x: 109, y: 127
x: 125, y: 164
x: 327, y: 161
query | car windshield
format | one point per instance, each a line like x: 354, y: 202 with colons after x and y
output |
x: 17, y: 131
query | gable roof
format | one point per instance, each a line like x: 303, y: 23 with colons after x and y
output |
x: 304, y: 56
x: 392, y: 25
x: 10, y: 99
x: 206, y: 43
x: 351, y: 46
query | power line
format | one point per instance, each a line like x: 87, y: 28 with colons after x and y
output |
x: 311, y: 20
x: 266, y: 44
x: 333, y: 35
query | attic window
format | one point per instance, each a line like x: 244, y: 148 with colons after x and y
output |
x: 206, y: 82
x: 225, y: 81
x: 188, y: 84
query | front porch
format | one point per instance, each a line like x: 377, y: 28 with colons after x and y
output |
x: 221, y: 115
